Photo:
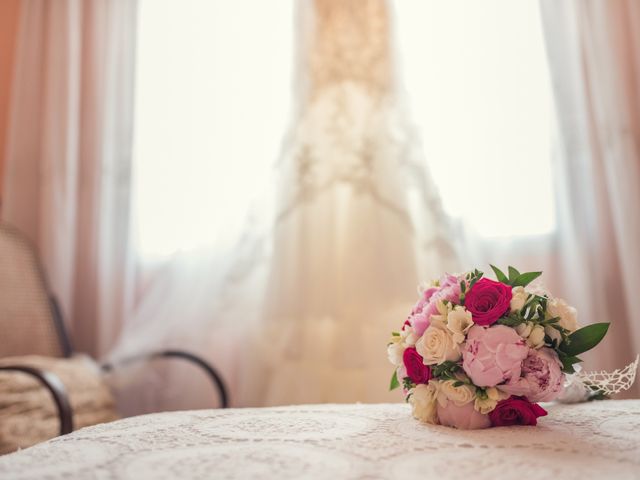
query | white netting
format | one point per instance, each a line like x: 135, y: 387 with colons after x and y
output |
x: 582, y: 386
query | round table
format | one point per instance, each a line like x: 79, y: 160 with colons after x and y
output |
x: 589, y: 440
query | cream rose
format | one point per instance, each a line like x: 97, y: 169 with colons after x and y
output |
x: 437, y: 345
x: 423, y: 400
x: 395, y: 350
x: 459, y: 321
x: 460, y: 395
x: 486, y: 403
x: 524, y: 329
x: 518, y: 299
x: 532, y: 333
x: 536, y: 337
x: 557, y: 307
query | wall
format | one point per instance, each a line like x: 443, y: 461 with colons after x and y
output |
x: 9, y: 15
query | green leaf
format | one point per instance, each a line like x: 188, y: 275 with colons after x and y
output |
x: 458, y: 384
x: 525, y: 279
x: 407, y: 383
x: 584, y: 339
x: 568, y: 363
x: 513, y: 274
x: 499, y: 274
x: 394, y: 381
x: 395, y: 334
x: 511, y: 321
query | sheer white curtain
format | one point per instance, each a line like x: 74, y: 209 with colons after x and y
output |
x: 305, y: 282
x: 213, y: 99
x: 594, y: 53
x: 534, y: 113
x: 69, y: 156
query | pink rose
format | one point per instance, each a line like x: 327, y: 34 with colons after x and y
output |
x: 420, y: 322
x: 542, y: 378
x: 449, y: 290
x: 493, y: 355
x: 516, y: 411
x: 487, y: 301
x: 417, y: 371
x: 465, y: 417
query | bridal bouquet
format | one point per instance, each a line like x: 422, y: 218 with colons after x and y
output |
x: 477, y: 353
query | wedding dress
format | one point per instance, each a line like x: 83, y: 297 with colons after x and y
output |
x: 300, y: 311
x: 358, y: 223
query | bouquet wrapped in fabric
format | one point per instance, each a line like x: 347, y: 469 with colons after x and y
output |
x: 477, y: 353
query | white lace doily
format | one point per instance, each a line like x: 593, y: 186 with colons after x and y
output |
x: 588, y: 440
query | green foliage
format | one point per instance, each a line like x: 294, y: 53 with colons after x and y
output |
x: 568, y: 362
x: 515, y: 278
x: 513, y: 274
x: 394, y: 381
x: 407, y: 383
x: 525, y: 279
x: 499, y: 274
x: 512, y: 320
x: 469, y: 281
x: 448, y: 370
x: 583, y: 339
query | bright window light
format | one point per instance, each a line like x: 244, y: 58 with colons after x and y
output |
x: 213, y: 94
x: 478, y: 87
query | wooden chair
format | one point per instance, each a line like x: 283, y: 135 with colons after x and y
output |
x: 31, y: 324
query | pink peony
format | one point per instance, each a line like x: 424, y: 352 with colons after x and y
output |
x: 493, y: 355
x: 420, y: 322
x: 465, y: 417
x: 487, y: 301
x: 542, y: 378
x: 417, y: 371
x: 516, y: 411
x: 449, y: 289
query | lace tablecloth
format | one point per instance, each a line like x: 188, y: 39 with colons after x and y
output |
x: 592, y: 440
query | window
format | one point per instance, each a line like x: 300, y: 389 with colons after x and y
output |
x: 478, y: 87
x: 212, y: 102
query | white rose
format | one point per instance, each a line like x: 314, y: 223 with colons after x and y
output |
x: 536, y: 337
x: 518, y: 298
x: 459, y: 321
x: 423, y: 400
x: 395, y: 350
x: 460, y: 395
x: 486, y: 404
x: 437, y: 345
x: 408, y: 336
x: 557, y: 307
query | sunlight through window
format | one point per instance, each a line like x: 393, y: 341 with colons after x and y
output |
x: 212, y: 101
x: 478, y: 88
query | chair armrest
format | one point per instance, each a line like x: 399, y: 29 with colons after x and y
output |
x: 213, y: 375
x: 55, y: 386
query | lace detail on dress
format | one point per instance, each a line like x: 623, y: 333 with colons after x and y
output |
x: 351, y: 128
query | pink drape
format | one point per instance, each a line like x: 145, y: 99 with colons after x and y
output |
x: 68, y: 155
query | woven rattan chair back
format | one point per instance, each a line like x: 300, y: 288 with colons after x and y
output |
x: 29, y: 324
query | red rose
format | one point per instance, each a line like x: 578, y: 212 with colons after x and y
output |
x: 487, y: 301
x: 417, y: 371
x: 516, y: 411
